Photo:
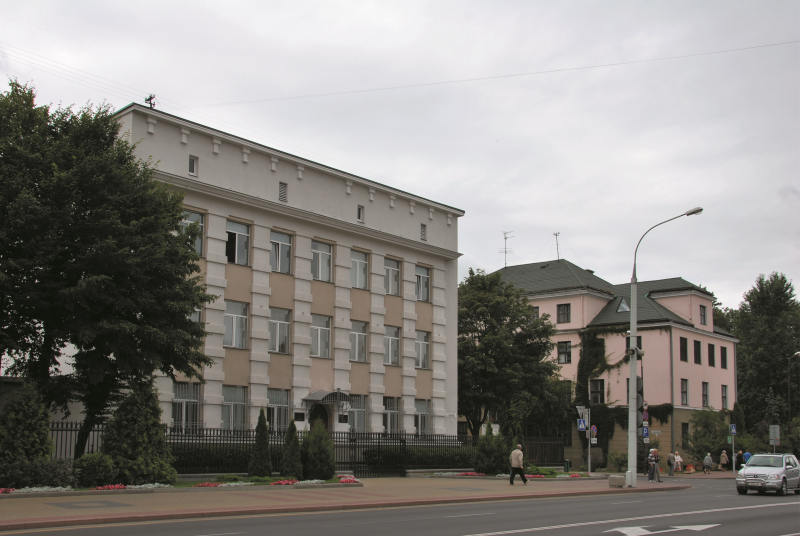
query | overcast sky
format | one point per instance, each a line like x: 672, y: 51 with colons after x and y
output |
x: 598, y: 155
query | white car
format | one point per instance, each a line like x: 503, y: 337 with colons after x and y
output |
x: 769, y: 472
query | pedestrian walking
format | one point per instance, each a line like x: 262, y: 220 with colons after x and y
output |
x: 671, y: 463
x: 652, y: 461
x: 656, y: 470
x: 746, y: 456
x: 723, y: 461
x: 739, y: 461
x: 707, y: 464
x: 517, y: 466
x: 678, y: 461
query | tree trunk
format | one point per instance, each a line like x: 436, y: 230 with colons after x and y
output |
x: 84, y: 433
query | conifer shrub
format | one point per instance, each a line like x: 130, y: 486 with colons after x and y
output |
x: 486, y: 455
x: 95, y: 469
x: 260, y: 462
x: 319, y: 462
x: 135, y: 440
x: 291, y: 462
x: 24, y: 428
x: 38, y: 472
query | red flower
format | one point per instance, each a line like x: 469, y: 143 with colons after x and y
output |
x: 289, y: 482
x: 574, y: 475
x: 207, y: 485
x: 109, y: 487
x: 470, y: 474
x: 534, y: 476
x: 6, y: 490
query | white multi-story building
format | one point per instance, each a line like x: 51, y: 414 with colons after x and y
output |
x: 337, y: 294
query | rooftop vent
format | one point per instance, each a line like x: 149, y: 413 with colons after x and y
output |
x: 545, y: 265
x: 590, y: 271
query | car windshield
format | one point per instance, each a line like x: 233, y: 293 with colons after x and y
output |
x: 765, y: 461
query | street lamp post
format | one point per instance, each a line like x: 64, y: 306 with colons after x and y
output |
x: 789, y: 378
x: 630, y: 477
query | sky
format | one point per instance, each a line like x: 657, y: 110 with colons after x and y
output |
x: 625, y: 113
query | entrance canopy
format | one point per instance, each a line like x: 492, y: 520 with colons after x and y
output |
x: 329, y: 398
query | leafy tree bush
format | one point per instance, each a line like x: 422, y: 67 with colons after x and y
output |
x: 291, y: 462
x: 24, y: 429
x: 420, y: 457
x: 618, y: 460
x: 136, y: 442
x: 546, y: 471
x: 492, y: 457
x: 209, y: 458
x: 319, y: 462
x: 260, y: 462
x: 95, y: 469
x: 710, y: 434
x: 37, y: 472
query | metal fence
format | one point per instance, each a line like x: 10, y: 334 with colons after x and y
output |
x: 65, y: 436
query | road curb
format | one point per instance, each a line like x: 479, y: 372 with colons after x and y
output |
x: 245, y: 511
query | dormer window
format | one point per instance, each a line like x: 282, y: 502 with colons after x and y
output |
x: 703, y: 319
x: 623, y: 306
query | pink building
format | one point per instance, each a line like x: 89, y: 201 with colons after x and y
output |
x: 688, y: 361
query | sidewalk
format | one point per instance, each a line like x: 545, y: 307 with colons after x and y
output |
x: 40, y: 512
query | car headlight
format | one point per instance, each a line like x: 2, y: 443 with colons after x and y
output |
x: 774, y: 476
x: 741, y: 472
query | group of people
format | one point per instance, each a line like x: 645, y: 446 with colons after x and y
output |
x: 724, y: 462
x: 674, y: 462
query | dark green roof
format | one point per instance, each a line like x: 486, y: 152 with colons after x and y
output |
x: 649, y: 309
x: 553, y: 276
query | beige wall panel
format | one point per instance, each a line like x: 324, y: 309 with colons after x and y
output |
x: 240, y: 279
x: 280, y: 371
x: 361, y: 301
x: 424, y: 316
x: 202, y: 263
x: 236, y: 367
x: 424, y: 384
x: 324, y: 294
x: 282, y: 288
x: 393, y: 381
x: 394, y: 311
x: 359, y: 378
x: 321, y: 374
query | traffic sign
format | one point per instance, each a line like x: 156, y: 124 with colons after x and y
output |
x: 645, y: 416
x: 644, y: 405
x: 594, y: 441
x: 594, y: 431
x: 646, y: 440
x: 646, y: 432
x: 733, y: 429
x: 729, y: 440
x: 775, y: 432
x: 645, y: 423
x: 581, y: 425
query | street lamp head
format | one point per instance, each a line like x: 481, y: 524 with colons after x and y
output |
x: 695, y: 210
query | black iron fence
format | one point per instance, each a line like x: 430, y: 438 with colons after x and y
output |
x: 204, y: 450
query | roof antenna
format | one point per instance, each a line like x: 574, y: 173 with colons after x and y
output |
x: 151, y: 100
x: 558, y: 255
x: 505, y: 250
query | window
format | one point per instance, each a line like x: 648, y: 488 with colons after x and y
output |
x: 684, y: 392
x: 235, y: 325
x: 684, y: 344
x: 724, y: 397
x: 234, y: 404
x: 238, y: 244
x: 190, y: 218
x: 391, y: 346
x: 705, y: 394
x: 638, y: 342
x: 279, y: 324
x: 358, y: 269
x: 320, y: 336
x: 196, y: 316
x: 703, y: 315
x: 698, y: 357
x: 462, y: 430
x: 392, y: 279
x: 423, y: 348
x: 358, y: 413
x: 598, y: 391
x: 422, y: 418
x: 535, y: 313
x: 278, y: 408
x: 712, y: 358
x: 193, y: 165
x: 423, y: 231
x: 565, y: 352
x: 685, y: 430
x: 186, y: 406
x: 723, y: 357
x: 360, y: 214
x: 391, y: 414
x: 280, y: 257
x: 564, y: 313
x: 423, y: 284
x: 321, y: 261
x: 283, y: 192
x: 358, y: 341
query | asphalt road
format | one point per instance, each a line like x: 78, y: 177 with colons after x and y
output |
x: 711, y: 502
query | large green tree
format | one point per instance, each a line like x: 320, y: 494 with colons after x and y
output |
x: 503, y: 349
x: 92, y: 254
x: 768, y: 327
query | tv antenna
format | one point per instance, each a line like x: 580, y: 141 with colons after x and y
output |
x: 558, y: 256
x: 151, y: 100
x: 505, y: 251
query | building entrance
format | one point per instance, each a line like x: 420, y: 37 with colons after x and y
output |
x: 318, y: 413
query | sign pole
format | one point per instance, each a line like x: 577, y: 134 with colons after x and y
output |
x: 589, y: 433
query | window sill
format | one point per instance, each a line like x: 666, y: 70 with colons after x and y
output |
x: 392, y: 365
x: 320, y: 280
x: 319, y: 357
x: 234, y: 348
x: 422, y: 368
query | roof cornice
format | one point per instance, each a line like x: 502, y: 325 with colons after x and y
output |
x: 655, y: 294
x: 558, y: 293
x: 662, y: 324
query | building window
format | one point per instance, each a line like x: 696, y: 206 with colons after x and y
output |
x: 193, y: 165
x: 321, y: 261
x: 279, y: 324
x: 698, y: 353
x: 196, y: 316
x: 564, y: 313
x: 278, y: 408
x: 422, y: 418
x: 723, y: 357
x: 423, y: 348
x: 598, y: 388
x: 190, y: 218
x: 238, y: 245
x: 391, y: 346
x: 391, y: 414
x: 703, y: 315
x: 392, y: 279
x: 280, y: 257
x: 684, y: 344
x: 320, y: 336
x: 283, y: 192
x: 235, y: 325
x: 358, y: 413
x: 423, y: 232
x: 705, y: 394
x: 186, y: 406
x: 423, y: 284
x: 684, y: 392
x: 712, y: 357
x: 685, y: 430
x: 724, y: 397
x: 565, y: 352
x: 234, y: 407
x: 462, y: 430
x: 358, y: 269
x: 358, y: 341
x: 360, y: 214
x: 535, y: 313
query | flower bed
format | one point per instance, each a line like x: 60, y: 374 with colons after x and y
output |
x: 470, y: 474
x: 41, y: 489
x: 288, y: 482
x: 111, y: 487
x: 347, y: 479
x: 574, y: 475
x: 221, y: 484
x: 6, y: 490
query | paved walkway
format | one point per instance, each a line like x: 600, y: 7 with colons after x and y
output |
x: 39, y: 512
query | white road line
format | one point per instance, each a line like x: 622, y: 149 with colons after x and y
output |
x: 627, y: 502
x: 469, y: 515
x: 626, y: 519
x: 224, y: 534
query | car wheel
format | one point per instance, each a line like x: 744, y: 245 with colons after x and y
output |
x: 782, y: 490
x: 742, y: 491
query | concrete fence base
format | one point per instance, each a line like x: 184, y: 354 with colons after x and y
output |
x: 616, y: 481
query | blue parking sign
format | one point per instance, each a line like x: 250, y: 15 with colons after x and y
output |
x: 645, y: 432
x: 733, y: 429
